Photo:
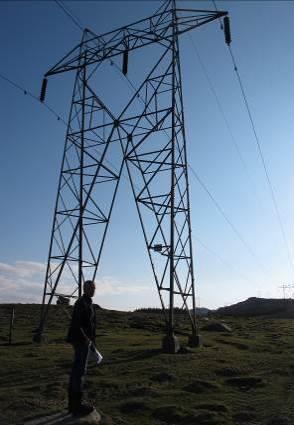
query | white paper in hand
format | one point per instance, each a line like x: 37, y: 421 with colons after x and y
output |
x: 94, y: 355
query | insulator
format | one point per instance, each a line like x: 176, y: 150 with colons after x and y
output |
x: 125, y: 62
x: 43, y: 90
x: 227, y: 30
x: 157, y: 248
x: 130, y: 137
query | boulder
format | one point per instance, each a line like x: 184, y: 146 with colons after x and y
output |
x: 217, y: 327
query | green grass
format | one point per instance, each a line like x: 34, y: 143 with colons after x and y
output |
x: 246, y: 377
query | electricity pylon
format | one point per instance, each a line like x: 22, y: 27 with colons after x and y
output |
x: 148, y: 137
x: 284, y: 287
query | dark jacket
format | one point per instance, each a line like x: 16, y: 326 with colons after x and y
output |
x: 83, y: 321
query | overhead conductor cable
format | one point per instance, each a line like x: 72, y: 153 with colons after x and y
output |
x: 228, y: 40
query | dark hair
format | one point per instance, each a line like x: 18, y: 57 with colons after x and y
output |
x: 88, y: 282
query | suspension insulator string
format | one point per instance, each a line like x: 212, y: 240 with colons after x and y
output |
x: 43, y: 90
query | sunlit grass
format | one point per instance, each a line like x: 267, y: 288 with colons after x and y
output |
x: 245, y: 377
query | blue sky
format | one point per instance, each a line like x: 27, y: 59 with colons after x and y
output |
x: 34, y: 35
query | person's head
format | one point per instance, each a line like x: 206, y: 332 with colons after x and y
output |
x: 89, y: 288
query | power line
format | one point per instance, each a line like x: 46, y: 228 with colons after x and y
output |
x: 233, y: 227
x: 271, y: 189
x: 272, y: 193
x: 214, y: 3
x: 27, y: 92
x: 218, y: 102
x: 222, y: 260
x: 75, y: 20
x: 79, y: 24
x: 212, y: 88
x: 219, y: 19
x: 59, y: 118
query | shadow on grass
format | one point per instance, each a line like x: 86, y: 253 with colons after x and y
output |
x: 132, y: 356
x: 62, y: 417
x: 16, y: 344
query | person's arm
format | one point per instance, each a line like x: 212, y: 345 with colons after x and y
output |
x: 94, y: 337
x: 88, y: 341
x: 77, y: 327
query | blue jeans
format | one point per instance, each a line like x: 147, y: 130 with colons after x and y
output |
x: 79, y: 368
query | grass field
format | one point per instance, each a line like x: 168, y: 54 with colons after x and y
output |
x: 243, y: 377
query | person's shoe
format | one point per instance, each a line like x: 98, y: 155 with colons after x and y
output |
x: 77, y: 408
x: 83, y: 410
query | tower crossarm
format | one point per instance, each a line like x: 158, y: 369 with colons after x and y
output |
x: 154, y: 29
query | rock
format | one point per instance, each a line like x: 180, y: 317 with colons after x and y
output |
x: 228, y: 371
x: 170, y: 413
x: 217, y: 327
x: 213, y: 407
x: 133, y: 406
x: 163, y: 377
x: 279, y: 420
x: 200, y: 385
x: 185, y: 350
x: 65, y: 418
x: 178, y: 415
x: 246, y: 382
x: 141, y: 391
x: 244, y: 416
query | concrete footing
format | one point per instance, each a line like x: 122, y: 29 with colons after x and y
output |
x: 39, y: 337
x: 195, y: 341
x: 170, y: 344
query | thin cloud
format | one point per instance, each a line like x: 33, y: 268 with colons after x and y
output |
x: 108, y: 285
x: 23, y: 282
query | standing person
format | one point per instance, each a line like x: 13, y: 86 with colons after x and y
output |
x: 81, y: 333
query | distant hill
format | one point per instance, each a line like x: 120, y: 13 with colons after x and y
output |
x: 200, y: 311
x: 259, y: 307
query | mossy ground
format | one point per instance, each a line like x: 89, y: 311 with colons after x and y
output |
x: 246, y: 377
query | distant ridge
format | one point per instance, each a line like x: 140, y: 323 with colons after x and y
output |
x: 253, y: 306
x: 200, y: 311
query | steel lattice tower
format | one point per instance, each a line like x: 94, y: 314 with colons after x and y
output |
x: 148, y: 137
